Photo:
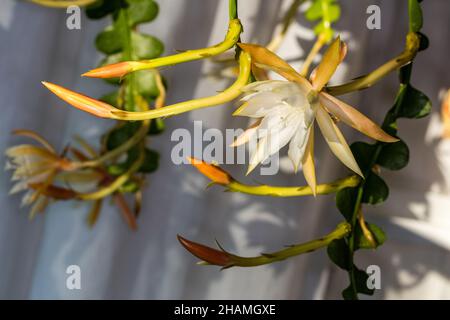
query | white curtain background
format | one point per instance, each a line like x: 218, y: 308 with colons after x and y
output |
x: 117, y: 263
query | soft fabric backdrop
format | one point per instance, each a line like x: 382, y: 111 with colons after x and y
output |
x: 35, y: 45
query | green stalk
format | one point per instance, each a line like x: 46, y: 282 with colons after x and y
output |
x: 341, y: 231
x: 233, y: 9
x: 274, y: 191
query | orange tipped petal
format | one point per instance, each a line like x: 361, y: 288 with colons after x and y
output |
x: 266, y: 59
x: 115, y: 70
x: 211, y: 171
x: 82, y: 102
x: 354, y: 118
x: 207, y: 254
x: 330, y: 61
x: 308, y: 167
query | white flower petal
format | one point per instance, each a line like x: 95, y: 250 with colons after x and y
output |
x: 19, y: 186
x: 336, y: 140
x: 297, y: 145
x: 278, y: 139
x: 27, y: 199
x: 266, y: 97
x: 274, y: 139
x: 275, y: 120
x: 246, y: 135
x: 258, y: 155
x: 9, y: 166
x: 267, y: 85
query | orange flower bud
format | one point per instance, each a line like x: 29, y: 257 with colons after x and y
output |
x: 82, y: 102
x: 115, y: 70
x: 211, y: 171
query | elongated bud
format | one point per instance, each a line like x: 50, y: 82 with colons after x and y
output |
x: 207, y: 254
x: 211, y: 171
x: 82, y: 102
x: 116, y: 70
x: 54, y: 191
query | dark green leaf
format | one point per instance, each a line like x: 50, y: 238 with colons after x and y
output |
x: 394, y: 156
x: 424, y: 42
x: 361, y: 282
x: 140, y: 11
x: 414, y: 104
x: 338, y: 252
x: 363, y: 153
x: 120, y: 135
x: 345, y: 199
x: 404, y: 76
x: 102, y: 8
x: 376, y: 190
x: 349, y: 294
x: 156, y: 126
x: 151, y: 161
x: 111, y: 98
x: 377, y: 233
x: 361, y: 278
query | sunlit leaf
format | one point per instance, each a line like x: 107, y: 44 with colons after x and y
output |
x: 377, y: 233
x: 145, y: 46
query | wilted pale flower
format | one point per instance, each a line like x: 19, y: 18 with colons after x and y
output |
x: 286, y: 111
x: 34, y: 169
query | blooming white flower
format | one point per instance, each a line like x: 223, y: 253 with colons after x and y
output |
x: 286, y: 117
x: 286, y: 112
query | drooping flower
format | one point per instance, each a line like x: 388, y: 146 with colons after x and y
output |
x: 34, y: 169
x: 287, y: 110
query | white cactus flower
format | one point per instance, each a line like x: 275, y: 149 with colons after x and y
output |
x: 286, y: 112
